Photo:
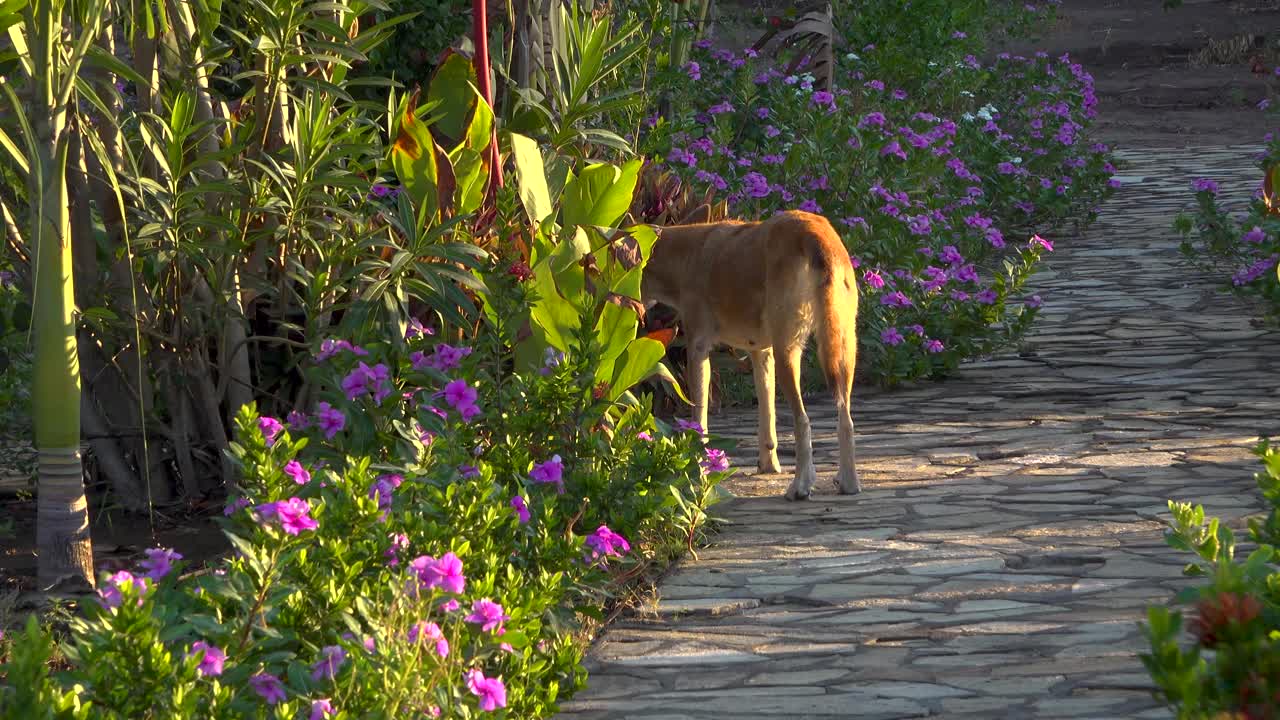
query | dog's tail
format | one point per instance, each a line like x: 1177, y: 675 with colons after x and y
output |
x: 837, y: 312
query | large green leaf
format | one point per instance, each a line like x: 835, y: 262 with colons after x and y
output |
x: 452, y: 87
x: 600, y: 195
x: 532, y: 177
x: 615, y: 330
x: 637, y: 362
x: 414, y: 159
x: 480, y: 127
x: 470, y: 176
x: 552, y: 313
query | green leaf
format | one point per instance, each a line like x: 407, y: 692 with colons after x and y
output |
x: 480, y: 129
x: 638, y: 362
x: 470, y: 177
x: 600, y: 195
x: 531, y: 174
x: 453, y: 87
x: 413, y: 156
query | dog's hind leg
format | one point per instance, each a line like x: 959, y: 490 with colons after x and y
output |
x: 788, y: 376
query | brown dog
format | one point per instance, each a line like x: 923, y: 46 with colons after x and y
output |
x: 765, y: 287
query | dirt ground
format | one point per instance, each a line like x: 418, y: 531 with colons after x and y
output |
x: 1184, y: 77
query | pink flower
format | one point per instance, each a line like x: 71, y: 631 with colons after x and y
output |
x: 491, y: 691
x: 1036, y: 240
x: 445, y: 573
x: 933, y: 346
x: 270, y: 428
x: 112, y: 595
x: 715, y: 461
x: 211, y: 658
x: 399, y: 541
x: 159, y: 562
x: 488, y: 615
x: 459, y: 394
x: 331, y: 658
x: 521, y: 507
x: 423, y: 630
x: 330, y: 419
x: 321, y: 708
x: 299, y: 474
x: 268, y: 687
x: 549, y: 472
x: 292, y: 514
x: 605, y: 543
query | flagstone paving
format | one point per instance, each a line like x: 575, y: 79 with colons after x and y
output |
x: 1009, y: 536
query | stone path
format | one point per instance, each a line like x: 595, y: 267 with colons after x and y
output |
x: 1010, y: 535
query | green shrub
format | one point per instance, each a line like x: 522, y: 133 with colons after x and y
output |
x: 1232, y: 666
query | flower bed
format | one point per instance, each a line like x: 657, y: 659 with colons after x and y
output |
x: 937, y: 189
x: 1244, y: 248
x: 421, y: 543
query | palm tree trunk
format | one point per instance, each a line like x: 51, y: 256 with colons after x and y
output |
x: 62, y: 518
x: 62, y: 514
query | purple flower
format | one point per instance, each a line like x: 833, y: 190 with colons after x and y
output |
x: 382, y: 490
x: 762, y: 113
x: 331, y: 658
x: 459, y: 394
x: 693, y: 70
x: 491, y: 691
x: 822, y: 98
x: 399, y: 541
x: 488, y: 615
x: 919, y: 225
x: 466, y: 472
x: 330, y: 347
x: 1256, y: 235
x: 415, y: 328
x: 689, y: 425
x: 298, y: 420
x: 771, y: 132
x: 423, y: 630
x: 756, y: 185
x: 986, y: 297
x: 959, y: 296
x: 1034, y: 301
x: 211, y: 658
x: 1264, y: 103
x: 549, y: 472
x: 1036, y: 240
x: 521, y: 507
x: 270, y: 428
x: 299, y: 474
x: 715, y: 461
x: 1205, y: 185
x: 895, y: 299
x: 234, y: 505
x: 268, y: 687
x: 292, y: 514
x: 809, y: 205
x: 873, y: 279
x: 933, y: 346
x: 720, y: 108
x: 112, y: 595
x: 605, y: 543
x: 321, y: 708
x: 874, y: 85
x: 891, y: 336
x: 330, y: 419
x: 364, y: 380
x: 893, y: 147
x: 159, y: 562
x: 950, y: 255
x: 445, y: 573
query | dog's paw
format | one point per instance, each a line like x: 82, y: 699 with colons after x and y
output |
x: 848, y: 483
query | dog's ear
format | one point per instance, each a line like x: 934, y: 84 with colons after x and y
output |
x: 700, y: 214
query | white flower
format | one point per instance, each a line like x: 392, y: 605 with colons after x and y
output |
x: 990, y: 108
x: 1016, y: 161
x: 933, y: 64
x: 966, y: 93
x: 967, y: 117
x: 854, y: 56
x: 984, y: 114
